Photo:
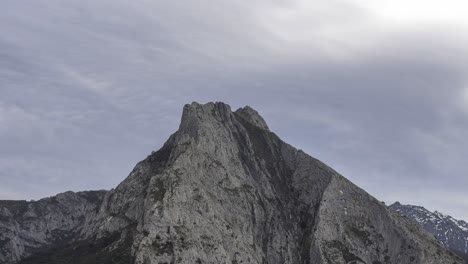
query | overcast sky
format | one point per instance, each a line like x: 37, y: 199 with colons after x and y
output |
x: 377, y: 89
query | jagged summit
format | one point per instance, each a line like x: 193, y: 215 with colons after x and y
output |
x: 252, y: 116
x: 195, y: 113
x: 224, y: 189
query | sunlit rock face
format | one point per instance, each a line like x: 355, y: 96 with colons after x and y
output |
x: 225, y: 189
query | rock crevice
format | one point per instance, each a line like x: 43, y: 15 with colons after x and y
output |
x: 225, y: 189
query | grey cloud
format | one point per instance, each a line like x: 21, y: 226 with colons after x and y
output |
x: 90, y: 87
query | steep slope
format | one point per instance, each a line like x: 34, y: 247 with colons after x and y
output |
x: 449, y: 231
x: 26, y: 227
x: 225, y: 189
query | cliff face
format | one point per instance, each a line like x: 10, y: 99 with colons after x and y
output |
x: 225, y: 189
x: 28, y: 226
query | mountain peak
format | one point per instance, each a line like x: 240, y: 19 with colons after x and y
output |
x: 224, y: 189
x: 196, y: 115
x: 252, y: 116
x: 196, y: 107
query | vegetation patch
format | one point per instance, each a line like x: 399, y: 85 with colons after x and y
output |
x: 158, y: 191
x: 163, y: 247
x: 363, y: 235
x: 348, y: 256
x: 17, y: 208
x: 3, y: 243
x: 89, y: 251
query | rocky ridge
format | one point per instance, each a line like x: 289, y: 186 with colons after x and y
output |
x: 449, y: 231
x: 27, y: 226
x: 225, y: 189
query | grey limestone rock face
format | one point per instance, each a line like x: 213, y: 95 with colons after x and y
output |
x: 28, y: 226
x: 225, y: 189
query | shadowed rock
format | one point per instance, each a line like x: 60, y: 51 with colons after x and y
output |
x: 451, y: 232
x: 224, y: 189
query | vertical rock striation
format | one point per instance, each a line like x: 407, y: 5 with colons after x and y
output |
x: 225, y: 189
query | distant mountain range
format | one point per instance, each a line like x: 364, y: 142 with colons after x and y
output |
x: 449, y: 231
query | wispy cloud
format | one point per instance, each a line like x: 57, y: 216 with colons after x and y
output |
x: 377, y: 89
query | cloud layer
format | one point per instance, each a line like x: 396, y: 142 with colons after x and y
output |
x: 377, y: 91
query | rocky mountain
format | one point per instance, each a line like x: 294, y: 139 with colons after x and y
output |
x: 222, y: 189
x: 449, y: 231
x: 50, y: 222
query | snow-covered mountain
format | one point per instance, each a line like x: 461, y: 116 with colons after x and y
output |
x: 449, y: 231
